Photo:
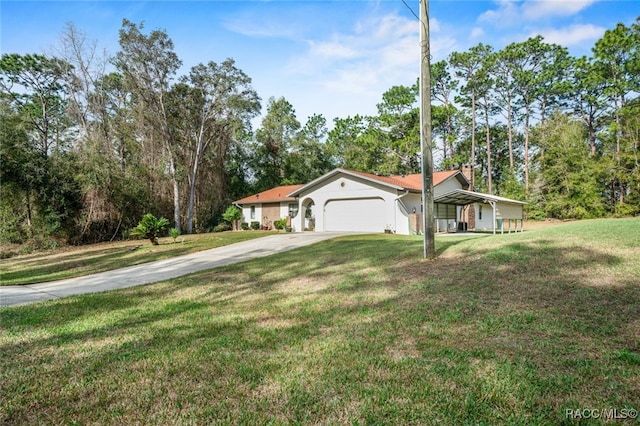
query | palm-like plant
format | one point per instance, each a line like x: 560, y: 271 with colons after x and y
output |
x: 150, y: 227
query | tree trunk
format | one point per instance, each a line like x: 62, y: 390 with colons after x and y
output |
x: 473, y: 140
x: 192, y: 193
x: 449, y: 130
x: 526, y: 151
x: 176, y: 193
x: 620, y: 183
x: 488, y: 136
x: 510, y: 130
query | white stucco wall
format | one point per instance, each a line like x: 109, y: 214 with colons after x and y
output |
x: 504, y: 211
x: 398, y: 204
x: 447, y: 186
x: 508, y: 211
x: 346, y: 187
x: 413, y: 200
x: 246, y: 212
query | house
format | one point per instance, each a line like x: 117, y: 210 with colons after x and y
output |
x: 348, y: 200
x: 270, y: 205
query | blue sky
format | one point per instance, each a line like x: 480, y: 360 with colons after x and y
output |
x: 334, y: 58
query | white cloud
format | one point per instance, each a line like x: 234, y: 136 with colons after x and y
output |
x: 513, y: 13
x: 374, y: 55
x: 348, y: 70
x: 545, y: 8
x: 434, y: 25
x: 476, y: 33
x: 573, y: 35
x: 506, y: 12
x: 266, y: 29
x: 331, y: 50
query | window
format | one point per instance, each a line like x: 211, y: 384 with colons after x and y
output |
x: 253, y: 212
x: 293, y: 209
x: 479, y: 212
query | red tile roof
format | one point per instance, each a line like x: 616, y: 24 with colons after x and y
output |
x: 273, y: 195
x: 410, y: 182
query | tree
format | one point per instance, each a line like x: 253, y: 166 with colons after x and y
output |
x: 274, y: 138
x: 148, y: 64
x: 468, y: 66
x: 616, y: 55
x: 533, y: 62
x: 99, y: 109
x: 483, y: 89
x: 20, y: 176
x: 32, y: 87
x: 571, y: 179
x: 310, y: 157
x: 232, y: 215
x: 586, y: 98
x: 630, y: 158
x: 503, y: 71
x: 342, y: 142
x: 442, y: 87
x: 224, y: 103
x: 398, y: 129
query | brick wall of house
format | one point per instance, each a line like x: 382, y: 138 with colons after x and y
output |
x: 415, y: 223
x: 469, y: 211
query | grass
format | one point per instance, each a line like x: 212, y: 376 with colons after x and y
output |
x: 510, y: 329
x: 74, y: 262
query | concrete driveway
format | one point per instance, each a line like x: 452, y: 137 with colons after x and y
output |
x: 161, y: 270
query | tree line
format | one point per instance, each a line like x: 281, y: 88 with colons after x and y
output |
x: 91, y: 142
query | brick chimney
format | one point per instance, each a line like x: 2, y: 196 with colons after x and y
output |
x: 467, y: 171
x: 469, y: 211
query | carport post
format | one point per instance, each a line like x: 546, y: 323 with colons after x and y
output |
x: 493, y: 206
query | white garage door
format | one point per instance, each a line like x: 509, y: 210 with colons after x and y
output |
x: 361, y: 215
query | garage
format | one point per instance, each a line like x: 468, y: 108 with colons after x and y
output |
x: 358, y: 215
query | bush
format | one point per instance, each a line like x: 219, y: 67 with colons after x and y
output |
x: 625, y: 210
x: 255, y: 225
x: 244, y: 226
x: 232, y: 215
x: 150, y: 227
x: 174, y: 233
x: 280, y: 223
x: 222, y: 227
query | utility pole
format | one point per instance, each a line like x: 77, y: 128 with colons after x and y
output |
x: 428, y: 219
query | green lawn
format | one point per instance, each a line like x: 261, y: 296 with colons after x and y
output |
x: 512, y: 329
x: 78, y: 261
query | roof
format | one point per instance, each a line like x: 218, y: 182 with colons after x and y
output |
x: 273, y: 195
x: 411, y: 182
x: 461, y: 197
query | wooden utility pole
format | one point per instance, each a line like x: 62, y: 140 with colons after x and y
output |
x: 428, y: 219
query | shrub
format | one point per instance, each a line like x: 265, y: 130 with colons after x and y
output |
x: 222, y: 227
x: 244, y: 226
x: 174, y: 233
x: 280, y: 223
x: 625, y: 210
x: 150, y: 227
x: 232, y: 215
x: 255, y: 225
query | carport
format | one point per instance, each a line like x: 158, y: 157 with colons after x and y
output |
x: 502, y: 209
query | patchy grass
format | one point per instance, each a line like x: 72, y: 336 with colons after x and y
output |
x: 79, y: 261
x: 498, y: 330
